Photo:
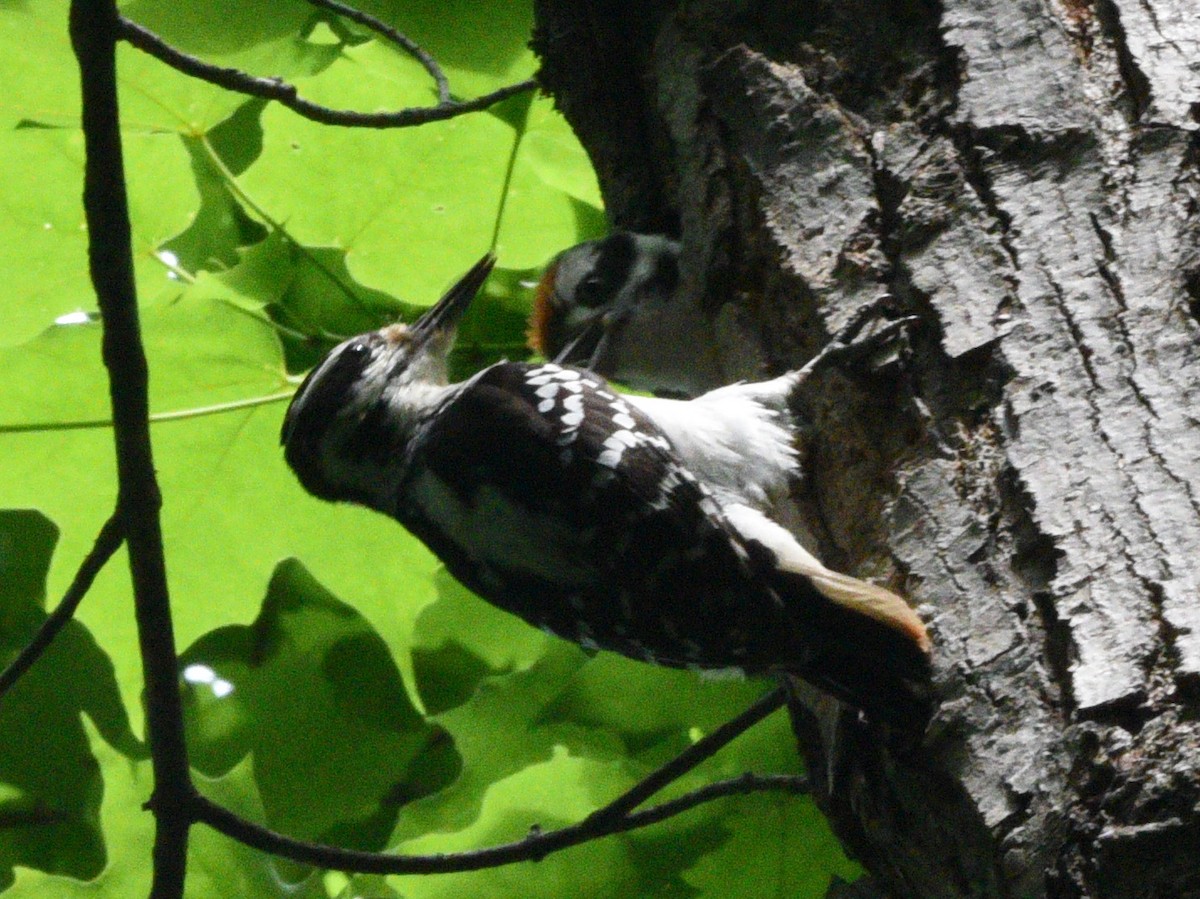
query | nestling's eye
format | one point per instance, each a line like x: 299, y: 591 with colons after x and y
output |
x: 356, y: 352
x: 591, y: 292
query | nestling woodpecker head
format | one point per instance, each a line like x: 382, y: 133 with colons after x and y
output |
x: 589, y: 292
x: 369, y: 391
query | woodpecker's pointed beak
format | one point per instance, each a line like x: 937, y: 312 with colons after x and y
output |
x: 447, y: 312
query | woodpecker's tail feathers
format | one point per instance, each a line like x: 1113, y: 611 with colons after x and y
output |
x: 873, y: 601
x: 860, y: 660
x: 860, y: 597
x: 864, y: 643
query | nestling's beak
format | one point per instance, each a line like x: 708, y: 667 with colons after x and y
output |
x: 447, y: 312
x: 584, y: 347
x: 594, y: 343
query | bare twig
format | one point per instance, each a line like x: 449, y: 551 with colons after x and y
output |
x: 286, y: 94
x: 534, y: 847
x: 702, y: 749
x: 95, y: 29
x: 617, y: 816
x: 411, y: 47
x: 107, y: 542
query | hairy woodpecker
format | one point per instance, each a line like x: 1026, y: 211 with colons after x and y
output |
x: 555, y: 498
x: 616, y: 307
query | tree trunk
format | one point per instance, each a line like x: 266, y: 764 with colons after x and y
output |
x: 1021, y: 175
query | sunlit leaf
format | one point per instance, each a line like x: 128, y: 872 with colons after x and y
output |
x: 309, y: 686
x: 50, y: 782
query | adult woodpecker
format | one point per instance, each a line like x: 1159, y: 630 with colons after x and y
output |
x: 615, y: 306
x: 551, y: 496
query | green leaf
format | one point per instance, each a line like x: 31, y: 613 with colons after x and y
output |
x: 219, y: 866
x: 50, y: 783
x: 43, y: 244
x: 551, y: 197
x: 124, y: 867
x: 310, y: 686
x: 413, y: 211
x: 481, y: 44
x: 410, y: 190
x: 647, y: 704
x: 551, y: 794
x: 780, y: 847
x: 222, y: 28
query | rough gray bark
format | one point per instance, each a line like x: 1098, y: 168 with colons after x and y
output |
x: 1021, y: 174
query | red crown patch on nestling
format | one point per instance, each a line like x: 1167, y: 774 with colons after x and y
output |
x: 543, y: 311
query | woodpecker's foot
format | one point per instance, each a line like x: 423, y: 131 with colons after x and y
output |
x: 848, y: 343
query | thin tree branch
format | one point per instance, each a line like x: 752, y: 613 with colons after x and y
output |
x: 615, y: 817
x: 95, y: 29
x: 411, y: 47
x: 702, y: 749
x: 797, y: 784
x: 286, y: 94
x: 108, y: 541
x: 534, y: 847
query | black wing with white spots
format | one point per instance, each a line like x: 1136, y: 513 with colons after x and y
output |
x: 550, y: 496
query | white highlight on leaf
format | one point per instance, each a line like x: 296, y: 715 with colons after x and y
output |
x: 203, y: 674
x: 199, y: 674
x: 74, y: 318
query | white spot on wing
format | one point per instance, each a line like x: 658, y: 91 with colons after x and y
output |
x: 545, y: 406
x: 621, y: 439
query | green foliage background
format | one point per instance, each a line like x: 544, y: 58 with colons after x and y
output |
x: 338, y: 684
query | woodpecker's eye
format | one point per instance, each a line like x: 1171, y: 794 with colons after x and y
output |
x: 356, y: 352
x: 591, y: 292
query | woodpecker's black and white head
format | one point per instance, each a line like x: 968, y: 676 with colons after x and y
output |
x: 365, y: 398
x: 589, y: 292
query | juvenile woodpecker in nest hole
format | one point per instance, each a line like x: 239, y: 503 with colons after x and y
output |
x: 617, y: 307
x: 630, y: 524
